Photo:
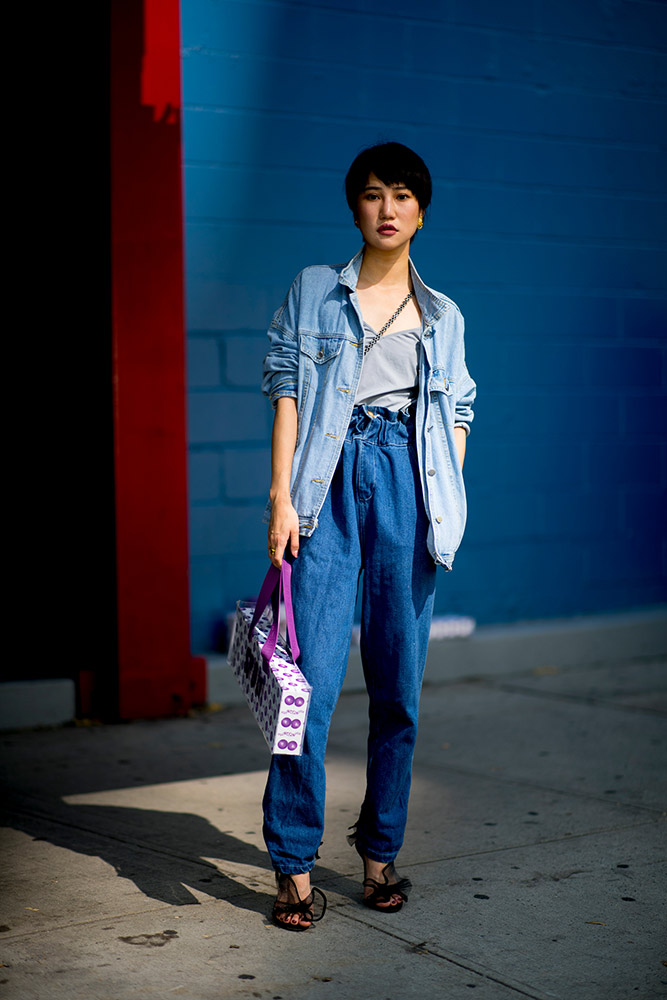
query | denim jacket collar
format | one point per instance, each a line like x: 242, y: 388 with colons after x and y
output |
x: 431, y: 303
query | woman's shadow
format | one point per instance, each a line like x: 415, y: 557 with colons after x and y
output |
x: 164, y: 853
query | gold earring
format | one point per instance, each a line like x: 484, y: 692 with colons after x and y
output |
x: 356, y: 222
x: 420, y: 223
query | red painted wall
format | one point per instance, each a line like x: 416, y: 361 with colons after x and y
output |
x: 156, y: 674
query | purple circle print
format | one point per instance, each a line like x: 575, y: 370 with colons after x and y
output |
x: 291, y: 745
x: 296, y: 723
x: 289, y: 700
x: 298, y: 702
x: 282, y: 744
x: 286, y: 722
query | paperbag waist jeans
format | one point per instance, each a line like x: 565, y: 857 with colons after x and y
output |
x: 373, y: 520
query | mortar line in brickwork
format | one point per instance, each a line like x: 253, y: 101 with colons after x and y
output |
x: 273, y: 171
x: 248, y: 392
x: 584, y: 291
x: 530, y: 32
x: 418, y: 126
x: 290, y: 170
x: 542, y: 91
x: 444, y: 181
x: 435, y: 229
x: 464, y: 235
x: 298, y: 225
x: 577, y: 190
x: 221, y: 336
x: 451, y: 186
x: 272, y: 63
x: 333, y: 64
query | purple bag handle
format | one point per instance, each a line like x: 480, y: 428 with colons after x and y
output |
x: 277, y: 585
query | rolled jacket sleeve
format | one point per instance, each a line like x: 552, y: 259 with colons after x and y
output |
x: 464, y: 402
x: 281, y: 364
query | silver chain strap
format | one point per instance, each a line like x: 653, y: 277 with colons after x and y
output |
x: 374, y: 340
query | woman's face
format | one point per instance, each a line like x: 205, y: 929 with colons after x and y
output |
x: 387, y: 214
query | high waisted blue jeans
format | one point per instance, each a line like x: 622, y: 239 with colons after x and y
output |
x: 373, y: 519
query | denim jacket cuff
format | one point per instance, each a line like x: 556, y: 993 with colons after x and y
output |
x: 284, y: 389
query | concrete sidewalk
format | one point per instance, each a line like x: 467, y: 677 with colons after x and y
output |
x: 134, y: 862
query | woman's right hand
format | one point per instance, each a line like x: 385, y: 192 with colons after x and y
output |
x: 283, y: 528
x: 284, y: 522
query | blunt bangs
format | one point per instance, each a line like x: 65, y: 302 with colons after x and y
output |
x: 392, y: 163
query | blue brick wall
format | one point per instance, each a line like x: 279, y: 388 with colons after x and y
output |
x: 544, y: 126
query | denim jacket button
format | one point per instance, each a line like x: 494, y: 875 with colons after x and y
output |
x: 439, y: 520
x: 431, y: 472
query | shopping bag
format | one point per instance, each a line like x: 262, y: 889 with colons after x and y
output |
x: 274, y: 687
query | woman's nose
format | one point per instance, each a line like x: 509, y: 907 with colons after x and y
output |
x: 387, y: 207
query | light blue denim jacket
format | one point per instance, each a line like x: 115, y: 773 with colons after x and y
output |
x: 316, y: 353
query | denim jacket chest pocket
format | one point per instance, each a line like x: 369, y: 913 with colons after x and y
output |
x: 319, y: 361
x: 321, y: 350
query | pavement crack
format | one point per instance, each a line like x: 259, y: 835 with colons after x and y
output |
x: 40, y: 932
x: 536, y: 843
x: 658, y: 811
x: 585, y: 699
x: 425, y: 948
x: 482, y: 677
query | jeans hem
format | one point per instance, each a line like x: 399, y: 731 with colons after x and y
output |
x: 374, y: 856
x: 291, y: 869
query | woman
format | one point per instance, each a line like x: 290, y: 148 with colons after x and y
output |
x: 373, y: 403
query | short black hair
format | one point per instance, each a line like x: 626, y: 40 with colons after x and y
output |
x: 392, y: 163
